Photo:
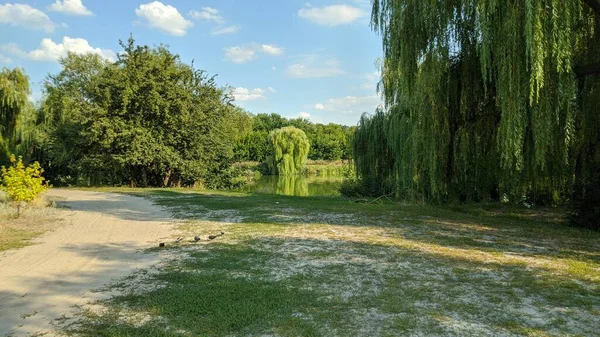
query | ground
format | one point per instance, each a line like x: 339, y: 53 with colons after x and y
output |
x: 19, y: 231
x: 98, y: 238
x: 290, y: 266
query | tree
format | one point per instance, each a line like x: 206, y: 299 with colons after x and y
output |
x: 484, y: 98
x: 289, y: 151
x: 327, y: 142
x: 22, y: 183
x: 147, y: 119
x: 14, y: 92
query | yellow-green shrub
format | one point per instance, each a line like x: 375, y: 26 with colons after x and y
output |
x: 22, y: 183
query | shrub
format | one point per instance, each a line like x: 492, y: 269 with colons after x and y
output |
x: 365, y: 187
x: 22, y: 183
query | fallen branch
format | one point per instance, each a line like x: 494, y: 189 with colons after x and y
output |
x: 383, y: 196
x: 365, y: 201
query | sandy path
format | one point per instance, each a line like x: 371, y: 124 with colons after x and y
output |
x: 102, y: 240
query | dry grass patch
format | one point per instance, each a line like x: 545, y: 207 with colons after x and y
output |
x: 36, y: 219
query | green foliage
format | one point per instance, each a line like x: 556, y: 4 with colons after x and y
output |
x: 482, y: 99
x: 327, y: 142
x: 253, y: 146
x: 14, y: 92
x: 290, y: 148
x: 145, y: 120
x: 374, y: 160
x: 22, y: 183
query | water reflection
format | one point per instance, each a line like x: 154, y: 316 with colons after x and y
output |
x: 295, y: 185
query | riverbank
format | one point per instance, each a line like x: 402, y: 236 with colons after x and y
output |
x: 322, y: 168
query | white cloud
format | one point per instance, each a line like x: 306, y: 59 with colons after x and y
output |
x: 5, y: 60
x: 319, y: 106
x: 25, y: 16
x: 271, y: 90
x: 271, y: 50
x: 163, y: 17
x: 333, y: 15
x: 315, y: 67
x: 240, y: 54
x: 352, y: 104
x: 70, y: 7
x: 207, y: 14
x: 304, y: 115
x: 246, y: 53
x: 51, y: 51
x: 245, y: 94
x: 225, y: 30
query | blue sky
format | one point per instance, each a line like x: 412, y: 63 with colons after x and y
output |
x: 315, y: 60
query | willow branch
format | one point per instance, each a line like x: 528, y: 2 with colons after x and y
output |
x: 590, y: 69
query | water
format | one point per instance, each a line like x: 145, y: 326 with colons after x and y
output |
x: 295, y: 185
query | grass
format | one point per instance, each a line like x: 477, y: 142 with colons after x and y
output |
x: 328, y: 267
x: 35, y: 220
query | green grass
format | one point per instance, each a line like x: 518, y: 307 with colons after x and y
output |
x: 329, y: 267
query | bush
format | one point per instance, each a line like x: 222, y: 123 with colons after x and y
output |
x: 231, y: 177
x: 23, y: 183
x: 351, y: 188
x: 365, y: 187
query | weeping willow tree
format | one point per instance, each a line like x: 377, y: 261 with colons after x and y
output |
x: 289, y: 147
x: 14, y: 92
x: 484, y: 98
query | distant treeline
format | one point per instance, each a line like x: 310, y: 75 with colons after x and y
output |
x: 327, y: 142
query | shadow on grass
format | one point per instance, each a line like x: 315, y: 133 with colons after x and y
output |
x: 310, y: 287
x: 201, y: 298
x: 229, y: 289
x: 487, y: 227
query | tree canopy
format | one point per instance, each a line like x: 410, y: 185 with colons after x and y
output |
x: 484, y: 98
x: 147, y: 119
x: 289, y: 146
x: 14, y: 92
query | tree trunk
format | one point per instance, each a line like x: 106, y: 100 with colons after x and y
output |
x: 166, y: 178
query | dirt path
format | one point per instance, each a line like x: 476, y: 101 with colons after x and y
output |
x: 102, y: 239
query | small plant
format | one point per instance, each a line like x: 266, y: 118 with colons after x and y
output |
x: 22, y: 183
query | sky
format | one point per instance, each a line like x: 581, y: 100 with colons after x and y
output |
x: 313, y: 60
